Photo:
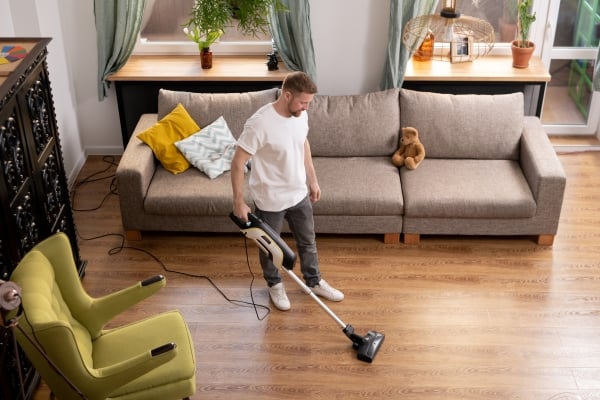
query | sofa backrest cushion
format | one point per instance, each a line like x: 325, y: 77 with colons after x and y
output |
x: 354, y: 125
x: 205, y: 108
x: 465, y: 126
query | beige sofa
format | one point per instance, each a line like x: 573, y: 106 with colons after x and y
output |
x: 489, y: 169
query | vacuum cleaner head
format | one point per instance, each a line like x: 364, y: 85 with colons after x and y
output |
x: 366, y: 346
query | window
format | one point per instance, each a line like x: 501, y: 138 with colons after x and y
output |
x: 500, y: 14
x: 571, y: 106
x: 162, y: 32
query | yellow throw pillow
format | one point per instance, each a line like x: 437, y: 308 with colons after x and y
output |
x: 161, y: 138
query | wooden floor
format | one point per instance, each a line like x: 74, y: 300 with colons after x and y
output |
x: 464, y: 317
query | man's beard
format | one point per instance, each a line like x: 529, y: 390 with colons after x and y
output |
x: 295, y: 113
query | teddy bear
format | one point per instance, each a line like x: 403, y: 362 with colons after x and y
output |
x: 411, y: 151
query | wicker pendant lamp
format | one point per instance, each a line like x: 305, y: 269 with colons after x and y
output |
x: 457, y: 38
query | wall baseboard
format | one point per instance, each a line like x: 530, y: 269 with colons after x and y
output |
x: 104, y: 151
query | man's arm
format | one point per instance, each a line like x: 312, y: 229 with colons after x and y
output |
x: 238, y: 164
x: 311, y: 175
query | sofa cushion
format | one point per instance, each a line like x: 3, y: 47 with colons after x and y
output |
x: 354, y: 125
x: 211, y: 149
x: 204, y: 108
x: 465, y: 126
x: 353, y: 186
x: 190, y: 193
x: 161, y: 138
x: 467, y: 189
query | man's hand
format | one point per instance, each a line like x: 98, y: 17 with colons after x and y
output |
x: 241, y: 211
x: 314, y: 192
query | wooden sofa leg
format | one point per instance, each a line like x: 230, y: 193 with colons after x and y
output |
x: 391, y: 238
x: 133, y: 236
x: 545, y: 240
x: 412, y: 238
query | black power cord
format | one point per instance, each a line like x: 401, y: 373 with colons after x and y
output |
x: 110, y: 160
x: 95, y: 177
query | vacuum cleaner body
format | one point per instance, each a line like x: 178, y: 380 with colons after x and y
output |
x: 283, y: 257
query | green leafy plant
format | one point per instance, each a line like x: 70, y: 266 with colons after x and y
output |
x: 525, y: 19
x: 209, y: 18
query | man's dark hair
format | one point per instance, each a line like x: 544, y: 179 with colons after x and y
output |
x: 299, y: 82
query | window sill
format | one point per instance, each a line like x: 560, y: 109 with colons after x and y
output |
x: 488, y: 68
x: 187, y: 68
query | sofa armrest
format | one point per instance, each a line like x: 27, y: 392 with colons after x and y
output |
x: 134, y: 174
x: 543, y: 171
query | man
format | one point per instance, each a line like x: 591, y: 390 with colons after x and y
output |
x: 283, y: 182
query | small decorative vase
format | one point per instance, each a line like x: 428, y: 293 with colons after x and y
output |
x: 521, y: 55
x: 425, y: 51
x: 206, y: 58
x: 272, y: 61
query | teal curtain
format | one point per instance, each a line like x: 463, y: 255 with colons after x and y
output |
x: 397, y: 55
x: 292, y: 36
x: 117, y: 27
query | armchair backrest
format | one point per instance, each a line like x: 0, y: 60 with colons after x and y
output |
x: 61, y: 331
x: 49, y: 320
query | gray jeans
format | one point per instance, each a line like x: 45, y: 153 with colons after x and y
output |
x: 300, y: 221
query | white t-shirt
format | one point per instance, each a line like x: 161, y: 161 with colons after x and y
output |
x: 276, y: 143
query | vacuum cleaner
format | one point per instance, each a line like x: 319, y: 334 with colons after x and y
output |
x: 283, y: 257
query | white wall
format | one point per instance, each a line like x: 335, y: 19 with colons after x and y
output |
x: 349, y: 62
x: 98, y: 120
x: 6, y: 25
x: 350, y: 57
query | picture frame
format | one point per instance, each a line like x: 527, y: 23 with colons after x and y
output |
x: 461, y: 49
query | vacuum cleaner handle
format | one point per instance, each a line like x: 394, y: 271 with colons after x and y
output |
x: 267, y: 240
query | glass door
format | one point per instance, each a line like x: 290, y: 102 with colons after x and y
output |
x: 570, y: 46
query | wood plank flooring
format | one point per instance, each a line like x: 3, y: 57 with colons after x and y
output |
x: 464, y: 317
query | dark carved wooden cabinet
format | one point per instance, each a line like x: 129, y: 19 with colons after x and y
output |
x: 34, y: 195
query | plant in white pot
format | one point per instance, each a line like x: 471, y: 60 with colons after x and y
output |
x: 209, y: 19
x: 522, y: 48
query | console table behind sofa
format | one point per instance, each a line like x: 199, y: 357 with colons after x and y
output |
x: 484, y: 75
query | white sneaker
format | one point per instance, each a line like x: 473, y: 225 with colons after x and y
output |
x: 324, y: 290
x: 278, y: 297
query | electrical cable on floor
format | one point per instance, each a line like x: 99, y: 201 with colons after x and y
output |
x: 110, y: 160
x: 117, y: 249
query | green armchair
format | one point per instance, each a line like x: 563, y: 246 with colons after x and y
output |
x: 148, y: 359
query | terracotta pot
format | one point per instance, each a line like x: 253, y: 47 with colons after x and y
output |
x: 521, y: 55
x: 206, y: 58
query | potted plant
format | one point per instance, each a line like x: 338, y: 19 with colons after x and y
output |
x: 522, y: 48
x: 209, y: 19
